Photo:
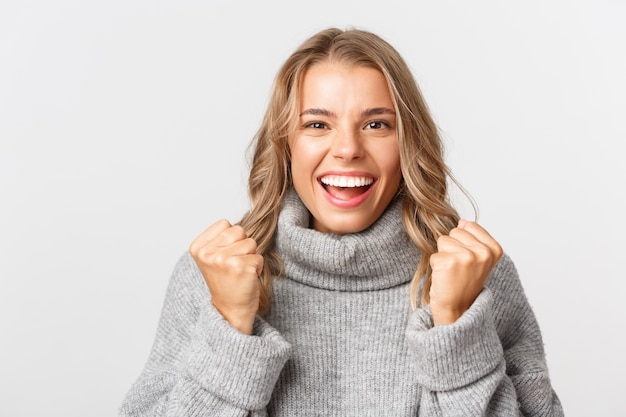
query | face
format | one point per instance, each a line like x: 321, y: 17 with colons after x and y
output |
x: 345, y: 160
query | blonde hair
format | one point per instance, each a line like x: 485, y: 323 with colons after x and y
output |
x: 427, y: 212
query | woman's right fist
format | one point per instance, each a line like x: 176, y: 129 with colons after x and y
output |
x: 227, y: 258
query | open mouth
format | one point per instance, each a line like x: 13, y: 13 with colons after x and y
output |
x: 346, y: 187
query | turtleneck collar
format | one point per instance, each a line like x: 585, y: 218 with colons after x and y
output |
x: 382, y: 256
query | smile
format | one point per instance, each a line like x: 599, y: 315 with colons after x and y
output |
x: 347, y: 191
x: 345, y: 181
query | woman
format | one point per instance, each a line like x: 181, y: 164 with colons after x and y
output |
x: 350, y: 287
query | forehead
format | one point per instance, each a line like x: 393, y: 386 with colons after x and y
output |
x: 340, y: 86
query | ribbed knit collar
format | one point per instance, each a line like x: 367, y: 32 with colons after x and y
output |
x: 379, y: 257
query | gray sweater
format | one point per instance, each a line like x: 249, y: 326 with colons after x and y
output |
x: 340, y: 339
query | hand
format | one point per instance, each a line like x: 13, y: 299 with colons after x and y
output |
x: 464, y: 260
x: 230, y: 265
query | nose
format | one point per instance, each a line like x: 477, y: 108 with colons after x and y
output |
x: 347, y: 146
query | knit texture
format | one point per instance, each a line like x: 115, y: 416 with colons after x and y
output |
x: 340, y: 339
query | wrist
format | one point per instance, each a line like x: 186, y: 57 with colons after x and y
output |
x: 445, y: 315
x: 240, y: 319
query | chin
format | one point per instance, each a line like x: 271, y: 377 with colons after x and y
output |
x: 343, y: 226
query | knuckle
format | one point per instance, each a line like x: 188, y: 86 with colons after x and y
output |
x: 238, y: 231
x: 251, y: 270
x: 467, y: 257
x: 203, y: 254
x: 252, y: 245
x: 439, y: 262
x: 442, y: 240
x: 483, y: 254
x: 235, y: 263
x: 219, y: 259
x: 217, y: 229
x: 498, y: 251
x: 223, y: 223
x: 193, y: 248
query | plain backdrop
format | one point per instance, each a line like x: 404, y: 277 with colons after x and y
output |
x: 123, y: 134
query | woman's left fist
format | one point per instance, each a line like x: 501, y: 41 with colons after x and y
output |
x: 462, y: 264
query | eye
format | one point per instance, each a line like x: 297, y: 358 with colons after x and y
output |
x: 315, y: 125
x: 377, y: 124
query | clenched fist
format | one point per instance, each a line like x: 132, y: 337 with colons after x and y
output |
x: 230, y: 265
x: 462, y: 264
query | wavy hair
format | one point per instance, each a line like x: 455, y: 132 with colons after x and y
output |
x: 427, y: 211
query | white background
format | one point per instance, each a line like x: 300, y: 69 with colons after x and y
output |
x: 123, y: 132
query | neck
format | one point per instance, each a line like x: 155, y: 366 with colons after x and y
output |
x: 382, y: 256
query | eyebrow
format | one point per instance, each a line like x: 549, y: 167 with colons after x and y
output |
x: 318, y: 112
x: 365, y: 113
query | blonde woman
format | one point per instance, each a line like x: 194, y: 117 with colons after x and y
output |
x: 351, y: 287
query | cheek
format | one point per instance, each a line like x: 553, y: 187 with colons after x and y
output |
x: 305, y: 157
x: 389, y: 160
x: 301, y: 170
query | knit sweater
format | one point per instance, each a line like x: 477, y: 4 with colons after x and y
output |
x: 340, y: 339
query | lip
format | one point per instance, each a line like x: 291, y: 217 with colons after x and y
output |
x: 353, y: 202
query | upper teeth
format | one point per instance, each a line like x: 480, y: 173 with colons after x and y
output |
x: 343, y: 181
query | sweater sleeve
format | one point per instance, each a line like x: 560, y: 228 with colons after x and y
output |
x: 490, y: 362
x: 199, y: 365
